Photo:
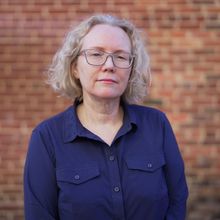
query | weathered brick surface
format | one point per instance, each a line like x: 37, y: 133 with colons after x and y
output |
x: 183, y: 38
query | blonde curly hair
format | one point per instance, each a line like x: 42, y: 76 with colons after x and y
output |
x: 60, y: 73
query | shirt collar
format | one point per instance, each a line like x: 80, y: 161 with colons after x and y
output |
x: 69, y: 125
x: 73, y: 128
x: 129, y: 113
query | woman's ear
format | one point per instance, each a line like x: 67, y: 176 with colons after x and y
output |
x: 74, y: 70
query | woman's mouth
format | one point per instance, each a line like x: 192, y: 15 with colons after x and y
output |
x: 107, y: 80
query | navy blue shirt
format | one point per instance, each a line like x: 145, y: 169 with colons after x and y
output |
x: 72, y: 174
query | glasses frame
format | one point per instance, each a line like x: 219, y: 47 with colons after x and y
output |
x: 83, y: 52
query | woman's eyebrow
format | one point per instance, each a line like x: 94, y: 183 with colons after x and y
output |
x: 103, y: 50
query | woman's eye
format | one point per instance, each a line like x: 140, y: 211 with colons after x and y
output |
x: 121, y: 57
x: 96, y: 54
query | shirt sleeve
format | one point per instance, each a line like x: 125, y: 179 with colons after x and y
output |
x: 175, y: 175
x: 40, y: 189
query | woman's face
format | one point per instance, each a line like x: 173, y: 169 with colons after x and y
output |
x: 105, y: 81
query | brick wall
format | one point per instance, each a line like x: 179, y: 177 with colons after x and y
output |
x: 184, y: 43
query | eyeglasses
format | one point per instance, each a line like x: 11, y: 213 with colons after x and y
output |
x: 97, y: 57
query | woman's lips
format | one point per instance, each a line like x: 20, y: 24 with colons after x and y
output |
x: 107, y: 80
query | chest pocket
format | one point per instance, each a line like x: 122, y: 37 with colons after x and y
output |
x: 149, y: 164
x: 77, y: 175
x: 146, y: 177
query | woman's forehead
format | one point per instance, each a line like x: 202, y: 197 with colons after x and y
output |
x: 104, y: 35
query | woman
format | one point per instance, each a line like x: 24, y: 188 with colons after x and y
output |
x: 104, y: 158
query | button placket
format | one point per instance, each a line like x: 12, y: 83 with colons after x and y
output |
x: 117, y: 197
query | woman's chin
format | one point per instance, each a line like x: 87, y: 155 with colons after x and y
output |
x: 107, y: 95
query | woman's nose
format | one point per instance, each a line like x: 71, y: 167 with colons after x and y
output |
x: 109, y: 61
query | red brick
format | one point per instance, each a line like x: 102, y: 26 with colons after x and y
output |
x: 183, y: 39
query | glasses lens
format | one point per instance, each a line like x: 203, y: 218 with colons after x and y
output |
x: 122, y: 60
x: 98, y: 58
x: 95, y: 57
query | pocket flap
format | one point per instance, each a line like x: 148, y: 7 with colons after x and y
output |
x: 150, y: 163
x: 77, y: 176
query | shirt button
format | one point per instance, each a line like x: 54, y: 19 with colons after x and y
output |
x: 116, y: 189
x: 112, y: 158
x: 76, y: 177
x: 149, y: 165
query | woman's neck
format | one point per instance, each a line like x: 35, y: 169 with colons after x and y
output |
x: 102, y: 117
x: 100, y: 111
